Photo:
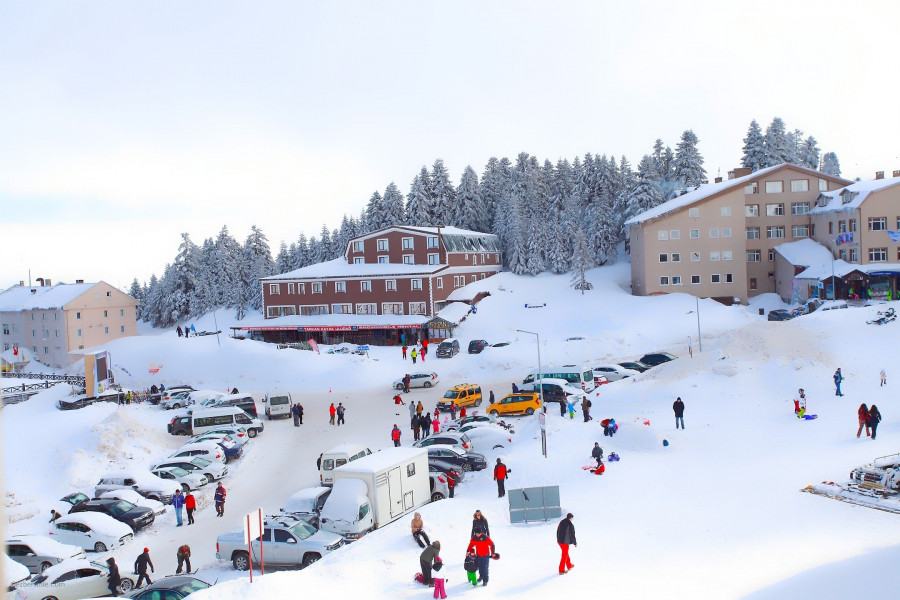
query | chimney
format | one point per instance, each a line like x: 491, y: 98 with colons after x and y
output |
x: 718, y: 180
x: 79, y: 281
x: 739, y: 172
x: 48, y: 283
x: 879, y: 174
x: 896, y: 173
x: 41, y: 279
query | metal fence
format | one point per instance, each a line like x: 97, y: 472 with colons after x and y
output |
x: 528, y: 505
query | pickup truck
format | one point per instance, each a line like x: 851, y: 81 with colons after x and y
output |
x: 288, y: 543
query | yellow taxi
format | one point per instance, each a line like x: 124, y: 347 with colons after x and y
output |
x: 520, y: 403
x: 464, y: 394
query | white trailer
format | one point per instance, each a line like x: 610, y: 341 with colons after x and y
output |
x: 371, y: 492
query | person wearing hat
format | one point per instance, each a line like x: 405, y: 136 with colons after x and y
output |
x: 418, y: 531
x: 113, y: 579
x: 800, y: 396
x: 140, y: 567
x: 500, y: 473
x: 426, y: 558
x: 183, y: 554
x: 565, y: 537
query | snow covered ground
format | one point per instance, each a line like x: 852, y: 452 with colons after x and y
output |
x: 715, y: 514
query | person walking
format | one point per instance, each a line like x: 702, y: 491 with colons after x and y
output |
x: 562, y: 407
x: 194, y: 331
x: 414, y: 425
x: 113, y: 579
x: 184, y: 558
x: 395, y: 436
x: 565, y: 537
x: 597, y: 453
x: 406, y: 382
x: 190, y: 505
x: 219, y: 500
x: 331, y: 412
x: 678, y: 407
x: 299, y: 411
x: 178, y: 330
x: 462, y: 412
x: 883, y: 378
x: 874, y: 419
x: 451, y: 482
x: 419, y: 408
x: 479, y: 523
x: 140, y: 566
x: 187, y: 332
x: 418, y: 531
x: 413, y: 354
x: 295, y: 411
x: 425, y: 420
x: 838, y: 378
x: 586, y: 409
x: 500, y: 474
x: 470, y: 564
x: 491, y: 397
x: 404, y: 352
x: 453, y: 408
x: 178, y: 503
x: 484, y: 549
x: 398, y: 401
x: 340, y: 413
x: 426, y: 558
x: 862, y: 413
x: 424, y: 348
x: 436, y: 422
x: 412, y: 409
x: 570, y: 407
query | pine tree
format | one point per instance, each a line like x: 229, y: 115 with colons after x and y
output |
x: 394, y: 212
x: 688, y: 161
x: 301, y: 253
x: 754, y: 148
x: 225, y: 265
x: 283, y: 260
x: 137, y: 293
x: 645, y: 194
x: 495, y: 183
x: 325, y: 244
x: 256, y: 264
x: 441, y: 193
x: 375, y: 211
x: 581, y: 262
x: 831, y: 165
x: 777, y: 147
x: 418, y: 212
x: 183, y: 282
x: 809, y: 155
x: 468, y: 207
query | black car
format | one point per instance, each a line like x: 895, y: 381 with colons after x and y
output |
x: 780, y: 315
x: 173, y: 587
x: 635, y: 366
x: 439, y: 466
x: 470, y: 461
x: 75, y: 499
x: 136, y: 517
x: 657, y: 358
x: 476, y: 346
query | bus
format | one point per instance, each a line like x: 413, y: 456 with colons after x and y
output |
x: 579, y: 376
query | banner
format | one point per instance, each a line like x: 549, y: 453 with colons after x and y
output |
x: 894, y: 235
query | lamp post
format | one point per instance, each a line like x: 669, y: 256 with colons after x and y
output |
x: 699, y: 339
x: 541, y: 414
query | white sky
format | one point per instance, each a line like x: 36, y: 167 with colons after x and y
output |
x: 124, y: 124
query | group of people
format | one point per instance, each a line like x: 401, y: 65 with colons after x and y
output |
x: 336, y: 411
x: 187, y: 331
x: 187, y: 502
x: 868, y: 418
x: 417, y: 351
x: 480, y: 551
x: 141, y: 564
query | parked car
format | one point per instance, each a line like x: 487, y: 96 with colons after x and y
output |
x: 188, y: 481
x: 635, y: 365
x: 69, y: 580
x: 526, y: 403
x: 39, y: 553
x: 467, y: 461
x: 439, y: 487
x: 476, y: 346
x: 144, y: 483
x: 169, y: 393
x: 449, y: 438
x: 132, y: 496
x: 278, y: 404
x: 439, y: 466
x: 457, y: 423
x: 228, y: 446
x: 66, y: 503
x: 554, y: 390
x: 136, y: 517
x: 306, y: 505
x: 211, y: 451
x: 174, y: 587
x: 289, y: 543
x: 423, y: 380
x: 780, y: 315
x: 226, y: 440
x: 177, y: 400
x: 13, y: 574
x: 243, y: 401
x: 448, y: 348
x: 205, y: 397
x: 238, y: 432
x: 657, y: 358
x: 613, y: 372
x: 213, y: 471
x: 464, y: 394
x: 91, y: 531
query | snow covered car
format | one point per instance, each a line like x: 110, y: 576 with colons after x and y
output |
x: 238, y: 432
x: 422, y: 380
x: 211, y: 451
x: 91, y: 531
x: 13, y: 573
x: 306, y: 505
x: 213, y: 471
x: 70, y: 580
x: 38, y: 553
x: 132, y: 496
x: 144, y: 483
x: 457, y: 423
x: 449, y: 438
x: 189, y: 481
x: 174, y: 587
x: 612, y: 372
x: 136, y: 517
x: 229, y: 446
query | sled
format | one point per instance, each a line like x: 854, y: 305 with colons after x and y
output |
x: 877, y: 497
x: 884, y: 317
x: 810, y: 417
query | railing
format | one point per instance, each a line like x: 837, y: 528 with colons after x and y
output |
x: 70, y: 379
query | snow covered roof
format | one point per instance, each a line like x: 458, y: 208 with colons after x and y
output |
x: 379, y: 461
x: 858, y: 192
x: 332, y: 320
x: 345, y: 449
x: 842, y: 268
x: 20, y: 297
x: 454, y: 312
x: 339, y: 268
x: 805, y: 253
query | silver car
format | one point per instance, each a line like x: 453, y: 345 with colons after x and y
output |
x: 39, y: 553
x: 422, y: 380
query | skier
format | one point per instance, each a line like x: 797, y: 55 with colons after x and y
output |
x: 874, y: 419
x: 331, y: 412
x: 340, y: 413
x: 113, y: 579
x: 862, y: 413
x: 500, y: 474
x: 418, y: 531
x: 395, y: 436
x: 565, y: 537
x: 219, y: 500
x: 140, y: 567
x: 484, y: 549
x: 678, y: 407
x: 838, y: 378
x: 190, y: 505
x: 184, y: 558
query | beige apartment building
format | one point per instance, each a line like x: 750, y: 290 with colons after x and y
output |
x: 52, y: 321
x: 718, y: 241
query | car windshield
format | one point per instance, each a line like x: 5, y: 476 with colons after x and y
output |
x: 191, y: 586
x: 303, y: 530
x: 452, y: 395
x: 277, y: 400
x: 120, y: 507
x: 200, y: 462
x: 76, y: 498
x: 177, y: 471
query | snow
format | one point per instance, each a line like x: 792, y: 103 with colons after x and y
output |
x: 717, y: 513
x: 13, y: 572
x: 44, y: 546
x: 19, y: 298
x: 344, y: 499
x: 99, y: 522
x: 340, y: 268
x: 304, y: 500
x: 861, y: 189
x: 455, y: 312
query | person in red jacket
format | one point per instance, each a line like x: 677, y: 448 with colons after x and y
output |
x: 484, y: 551
x: 331, y: 412
x: 500, y: 473
x: 190, y: 503
x: 395, y: 435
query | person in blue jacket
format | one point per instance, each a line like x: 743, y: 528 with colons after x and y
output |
x: 178, y: 503
x: 838, y: 378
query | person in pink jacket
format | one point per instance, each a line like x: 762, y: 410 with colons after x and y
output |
x: 436, y: 424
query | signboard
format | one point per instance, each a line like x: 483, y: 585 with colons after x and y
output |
x: 253, y: 528
x: 536, y: 305
x: 534, y: 504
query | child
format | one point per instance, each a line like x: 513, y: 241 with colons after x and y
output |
x: 571, y: 409
x: 802, y: 405
x: 439, y: 589
x: 471, y: 566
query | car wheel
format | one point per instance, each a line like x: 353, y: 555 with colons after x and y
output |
x: 185, y: 488
x: 310, y: 559
x: 174, y: 406
x: 44, y: 566
x: 399, y: 387
x: 437, y: 496
x: 495, y: 413
x: 466, y: 467
x: 99, y: 547
x: 126, y: 586
x: 478, y: 403
x: 241, y: 561
x: 251, y: 433
x: 209, y: 477
x: 49, y: 598
x: 529, y: 411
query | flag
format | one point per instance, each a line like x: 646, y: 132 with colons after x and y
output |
x: 15, y: 350
x: 894, y: 235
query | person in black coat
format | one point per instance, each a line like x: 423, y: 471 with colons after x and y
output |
x: 565, y: 537
x: 678, y: 407
x: 480, y: 524
x: 597, y: 453
x: 426, y: 559
x: 113, y: 580
x: 874, y: 419
x: 140, y: 567
x: 586, y: 409
x: 425, y: 422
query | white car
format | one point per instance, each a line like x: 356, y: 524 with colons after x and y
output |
x: 70, y: 580
x: 189, y: 481
x: 238, y: 432
x: 422, y: 380
x: 211, y: 451
x: 205, y: 397
x: 132, y: 496
x: 213, y: 471
x: 226, y: 439
x: 38, y: 552
x: 91, y: 531
x: 144, y: 483
x: 177, y: 400
x: 613, y: 372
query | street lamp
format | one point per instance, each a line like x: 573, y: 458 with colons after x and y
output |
x: 542, y: 414
x: 699, y: 338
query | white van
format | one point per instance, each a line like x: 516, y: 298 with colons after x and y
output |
x: 278, y: 404
x: 336, y: 457
x: 579, y: 376
x: 207, y: 419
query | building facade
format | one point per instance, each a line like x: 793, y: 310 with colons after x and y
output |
x: 52, y: 321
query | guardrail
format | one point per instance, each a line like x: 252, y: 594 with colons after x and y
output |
x: 70, y: 379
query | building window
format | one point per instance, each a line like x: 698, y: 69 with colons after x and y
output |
x: 359, y: 260
x: 340, y: 287
x: 676, y: 257
x: 853, y: 224
x: 751, y: 210
x: 725, y: 211
x: 729, y: 278
x: 726, y: 232
x: 695, y: 257
x: 663, y: 258
x: 775, y: 231
x: 662, y: 235
x: 302, y: 288
x: 771, y: 255
x: 474, y: 278
x: 314, y: 309
x: 715, y: 279
x: 317, y: 287
x: 726, y: 254
x: 391, y: 308
x: 842, y: 226
x: 799, y: 208
x: 407, y: 259
x: 774, y: 187
x: 854, y: 255
x: 417, y: 308
x: 799, y: 185
x: 281, y: 311
x: 121, y: 329
x: 695, y: 279
x: 292, y: 288
x: 390, y: 285
x: 342, y: 309
x: 382, y: 244
x: 877, y: 223
x: 842, y: 255
x: 753, y: 255
x: 676, y: 279
x: 432, y: 241
x: 877, y: 254
x: 675, y: 234
x: 823, y: 185
x: 77, y: 316
x: 693, y: 212
x: 121, y: 313
x: 358, y: 246
x: 714, y: 256
x: 105, y: 330
x: 800, y: 231
x: 382, y: 260
x: 663, y: 281
x: 695, y: 234
x: 751, y: 188
x: 440, y: 283
x: 367, y: 309
x: 830, y: 227
x: 459, y: 281
x: 753, y: 233
x: 365, y: 285
x: 416, y: 284
x: 407, y: 243
x: 774, y: 210
x: 714, y: 233
x: 753, y: 283
x: 274, y: 289
x: 105, y: 313
x: 79, y: 333
x: 433, y: 259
